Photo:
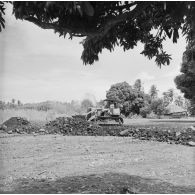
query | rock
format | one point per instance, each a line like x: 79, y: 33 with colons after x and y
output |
x: 178, y: 133
x: 126, y: 190
x: 191, y: 143
x: 42, y: 130
x: 124, y: 132
x: 10, y: 132
x: 3, y: 127
x: 17, y: 130
x: 192, y: 128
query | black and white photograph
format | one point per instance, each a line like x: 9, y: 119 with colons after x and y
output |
x: 97, y: 97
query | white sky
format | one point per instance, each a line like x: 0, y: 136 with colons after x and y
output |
x: 36, y: 65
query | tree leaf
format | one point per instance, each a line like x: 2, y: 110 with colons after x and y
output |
x: 88, y: 8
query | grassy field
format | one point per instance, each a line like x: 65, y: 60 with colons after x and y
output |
x: 92, y: 164
x: 73, y: 164
x: 31, y: 115
x: 176, y: 124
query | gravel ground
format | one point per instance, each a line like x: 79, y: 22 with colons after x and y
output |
x: 73, y: 164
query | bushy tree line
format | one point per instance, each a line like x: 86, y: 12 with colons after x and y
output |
x: 74, y: 107
x: 135, y: 101
x: 12, y: 104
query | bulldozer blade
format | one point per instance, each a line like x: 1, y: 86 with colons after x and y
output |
x: 106, y: 124
x: 109, y: 123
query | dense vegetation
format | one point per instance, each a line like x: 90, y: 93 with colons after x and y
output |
x: 186, y: 80
x: 74, y: 107
x: 135, y: 101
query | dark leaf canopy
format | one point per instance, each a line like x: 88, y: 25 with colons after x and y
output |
x: 107, y: 24
x: 186, y: 81
x: 2, y: 21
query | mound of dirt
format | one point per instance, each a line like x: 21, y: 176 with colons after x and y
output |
x: 17, y: 125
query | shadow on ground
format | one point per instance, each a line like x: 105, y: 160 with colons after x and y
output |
x: 101, y: 183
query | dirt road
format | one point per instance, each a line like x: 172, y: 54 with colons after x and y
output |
x: 65, y: 164
x: 169, y: 123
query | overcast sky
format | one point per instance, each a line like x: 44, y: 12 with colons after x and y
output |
x: 36, y: 65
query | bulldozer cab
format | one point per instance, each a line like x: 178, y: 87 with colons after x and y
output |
x: 113, y: 106
x: 112, y: 103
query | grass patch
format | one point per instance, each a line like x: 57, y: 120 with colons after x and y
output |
x: 29, y: 114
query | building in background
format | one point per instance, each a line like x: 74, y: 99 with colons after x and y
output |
x: 175, y: 111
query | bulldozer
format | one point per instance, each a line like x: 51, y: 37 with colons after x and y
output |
x: 109, y: 114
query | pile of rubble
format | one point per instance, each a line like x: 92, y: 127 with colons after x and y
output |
x: 71, y: 126
x: 185, y: 137
x: 17, y: 125
x: 77, y: 125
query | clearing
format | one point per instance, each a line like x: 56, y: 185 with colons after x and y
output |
x: 85, y: 164
x: 177, y: 124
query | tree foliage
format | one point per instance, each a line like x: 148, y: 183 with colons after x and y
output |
x: 153, y: 92
x: 186, y: 80
x: 130, y: 99
x: 158, y: 106
x: 144, y: 111
x: 138, y: 85
x: 179, y: 100
x: 2, y: 21
x: 134, y: 101
x: 103, y: 25
x: 168, y: 96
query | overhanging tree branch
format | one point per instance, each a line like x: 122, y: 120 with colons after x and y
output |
x: 106, y: 24
x: 90, y: 33
x: 55, y: 26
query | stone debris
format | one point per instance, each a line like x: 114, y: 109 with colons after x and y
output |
x: 78, y: 126
x: 192, y: 128
x: 185, y: 137
x: 191, y: 143
x: 72, y: 126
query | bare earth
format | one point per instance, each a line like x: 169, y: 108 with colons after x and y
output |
x: 66, y: 164
x: 174, y: 124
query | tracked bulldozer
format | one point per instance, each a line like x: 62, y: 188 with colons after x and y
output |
x: 109, y: 114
